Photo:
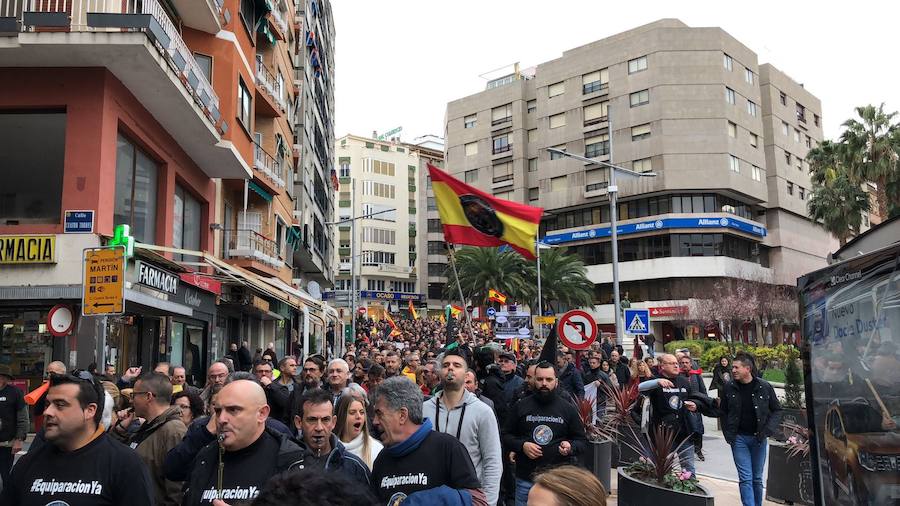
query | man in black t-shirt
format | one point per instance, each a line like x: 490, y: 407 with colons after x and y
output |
x: 668, y: 399
x: 252, y: 454
x: 80, y: 465
x: 13, y: 421
x: 417, y: 461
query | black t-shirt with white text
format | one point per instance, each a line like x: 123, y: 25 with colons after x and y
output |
x: 668, y: 405
x: 246, y: 471
x: 102, y: 473
x: 11, y: 401
x: 439, y: 460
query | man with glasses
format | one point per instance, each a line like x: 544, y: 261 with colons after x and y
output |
x: 338, y: 378
x: 323, y: 450
x: 276, y: 394
x: 310, y: 379
x: 162, y: 431
x: 80, y: 464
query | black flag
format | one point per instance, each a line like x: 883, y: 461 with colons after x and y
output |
x: 549, y: 351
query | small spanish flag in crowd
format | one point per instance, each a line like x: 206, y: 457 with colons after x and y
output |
x: 412, y: 311
x: 471, y: 216
x: 455, y: 310
x: 395, y: 331
x: 496, y: 296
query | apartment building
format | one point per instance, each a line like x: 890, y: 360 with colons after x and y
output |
x: 432, y: 258
x: 725, y: 136
x: 379, y: 179
x: 173, y: 118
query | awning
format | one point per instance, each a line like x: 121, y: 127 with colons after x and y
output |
x: 293, y: 237
x: 259, y: 191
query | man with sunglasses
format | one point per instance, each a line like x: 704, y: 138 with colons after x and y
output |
x: 80, y: 465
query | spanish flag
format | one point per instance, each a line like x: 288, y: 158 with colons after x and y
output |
x: 471, y: 216
x: 455, y: 310
x: 496, y: 296
x: 412, y: 310
x: 395, y: 331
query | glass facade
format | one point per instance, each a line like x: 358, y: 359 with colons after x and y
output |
x: 674, y: 245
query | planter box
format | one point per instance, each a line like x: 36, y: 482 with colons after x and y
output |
x: 790, y: 478
x: 598, y: 460
x: 622, y: 454
x: 797, y: 416
x: 632, y: 492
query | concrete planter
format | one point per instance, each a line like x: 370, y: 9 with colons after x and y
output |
x: 790, y: 478
x: 633, y: 492
x: 598, y: 460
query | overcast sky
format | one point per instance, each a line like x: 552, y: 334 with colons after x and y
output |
x: 399, y: 62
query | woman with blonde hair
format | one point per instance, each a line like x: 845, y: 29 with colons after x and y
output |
x: 566, y: 486
x: 352, y: 430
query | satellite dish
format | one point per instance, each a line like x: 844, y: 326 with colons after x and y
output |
x: 313, y: 288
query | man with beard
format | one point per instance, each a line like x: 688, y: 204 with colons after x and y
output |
x: 457, y: 412
x: 392, y: 365
x: 313, y: 370
x: 543, y: 430
x: 569, y: 378
x: 80, y: 465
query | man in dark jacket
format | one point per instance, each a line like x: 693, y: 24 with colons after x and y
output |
x: 594, y: 375
x: 570, y: 380
x: 501, y: 384
x: 245, y: 360
x: 750, y: 413
x: 620, y: 368
x: 250, y: 452
x: 543, y: 430
x: 695, y: 419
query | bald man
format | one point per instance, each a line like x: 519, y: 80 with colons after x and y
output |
x: 55, y: 367
x: 252, y: 455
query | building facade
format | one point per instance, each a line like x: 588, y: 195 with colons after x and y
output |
x: 725, y: 136
x: 173, y: 118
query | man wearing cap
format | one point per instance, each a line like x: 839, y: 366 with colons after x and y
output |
x: 501, y: 384
x: 13, y: 421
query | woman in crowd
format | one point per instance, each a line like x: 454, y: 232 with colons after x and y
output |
x: 191, y: 406
x: 605, y: 367
x: 351, y: 428
x: 420, y: 380
x: 643, y: 371
x: 721, y: 374
x: 566, y: 486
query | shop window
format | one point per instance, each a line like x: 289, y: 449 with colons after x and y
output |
x: 34, y: 144
x: 136, y: 191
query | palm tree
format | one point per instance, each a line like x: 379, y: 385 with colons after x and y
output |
x: 564, y: 281
x: 871, y: 151
x: 838, y: 203
x: 482, y: 269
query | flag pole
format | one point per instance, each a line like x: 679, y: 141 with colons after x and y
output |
x: 459, y: 287
x: 537, y: 245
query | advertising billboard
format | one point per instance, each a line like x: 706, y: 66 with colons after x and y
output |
x: 851, y: 319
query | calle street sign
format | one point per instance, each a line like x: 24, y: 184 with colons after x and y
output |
x: 103, y: 284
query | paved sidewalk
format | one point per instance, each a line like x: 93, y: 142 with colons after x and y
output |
x: 725, y: 492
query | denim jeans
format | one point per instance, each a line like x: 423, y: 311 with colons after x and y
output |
x: 750, y: 458
x: 686, y: 457
x: 522, y: 489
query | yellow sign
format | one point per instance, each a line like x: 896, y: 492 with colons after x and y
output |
x: 546, y: 320
x: 27, y: 249
x: 104, y: 281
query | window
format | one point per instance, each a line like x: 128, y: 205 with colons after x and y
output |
x: 637, y: 64
x: 556, y: 89
x: 471, y: 176
x: 379, y: 235
x: 205, y: 63
x: 502, y: 114
x: 558, y: 120
x: 787, y: 158
x: 533, y: 194
x: 557, y: 156
x: 816, y: 119
x: 729, y: 96
x: 751, y: 108
x: 532, y: 165
x: 500, y: 144
x: 387, y: 213
x: 732, y: 130
x: 801, y: 113
x: 790, y: 188
x: 375, y: 284
x: 378, y: 167
x: 434, y: 225
x: 344, y: 168
x: 596, y: 113
x: 136, y: 191
x: 748, y: 75
x: 470, y: 121
x: 504, y: 195
x: 782, y: 97
x: 532, y: 134
x: 642, y: 165
x: 640, y: 132
x: 502, y: 172
x: 784, y: 128
x: 756, y: 173
x: 808, y: 142
x: 376, y: 258
x: 595, y: 180
x: 729, y: 63
x: 431, y: 203
x: 377, y: 189
x: 244, y: 103
x: 734, y: 163
x: 639, y: 98
x: 33, y: 143
x: 472, y: 148
x: 558, y: 183
x: 596, y: 146
x: 531, y: 106
x: 437, y: 248
x: 248, y: 14
x: 186, y: 222
x: 801, y: 192
x: 754, y: 140
x: 796, y: 135
x: 595, y: 81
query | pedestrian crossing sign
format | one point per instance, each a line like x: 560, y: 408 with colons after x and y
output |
x: 637, y: 321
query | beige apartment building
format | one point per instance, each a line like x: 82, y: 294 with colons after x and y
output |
x: 725, y: 135
x: 378, y: 176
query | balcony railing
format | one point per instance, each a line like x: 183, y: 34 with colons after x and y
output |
x: 245, y: 243
x: 146, y: 16
x: 269, y: 84
x: 271, y: 167
x: 279, y: 20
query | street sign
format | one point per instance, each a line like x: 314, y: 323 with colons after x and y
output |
x: 79, y: 222
x: 637, y: 321
x: 61, y: 320
x: 546, y: 320
x: 103, y: 286
x: 577, y: 329
x: 491, y: 311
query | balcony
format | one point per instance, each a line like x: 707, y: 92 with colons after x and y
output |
x: 268, y: 170
x: 142, y: 47
x: 203, y: 15
x: 252, y: 250
x: 271, y: 89
x: 277, y: 19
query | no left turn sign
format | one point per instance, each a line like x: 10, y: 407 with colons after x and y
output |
x: 577, y: 329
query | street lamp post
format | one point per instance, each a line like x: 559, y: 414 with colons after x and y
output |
x: 613, y: 191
